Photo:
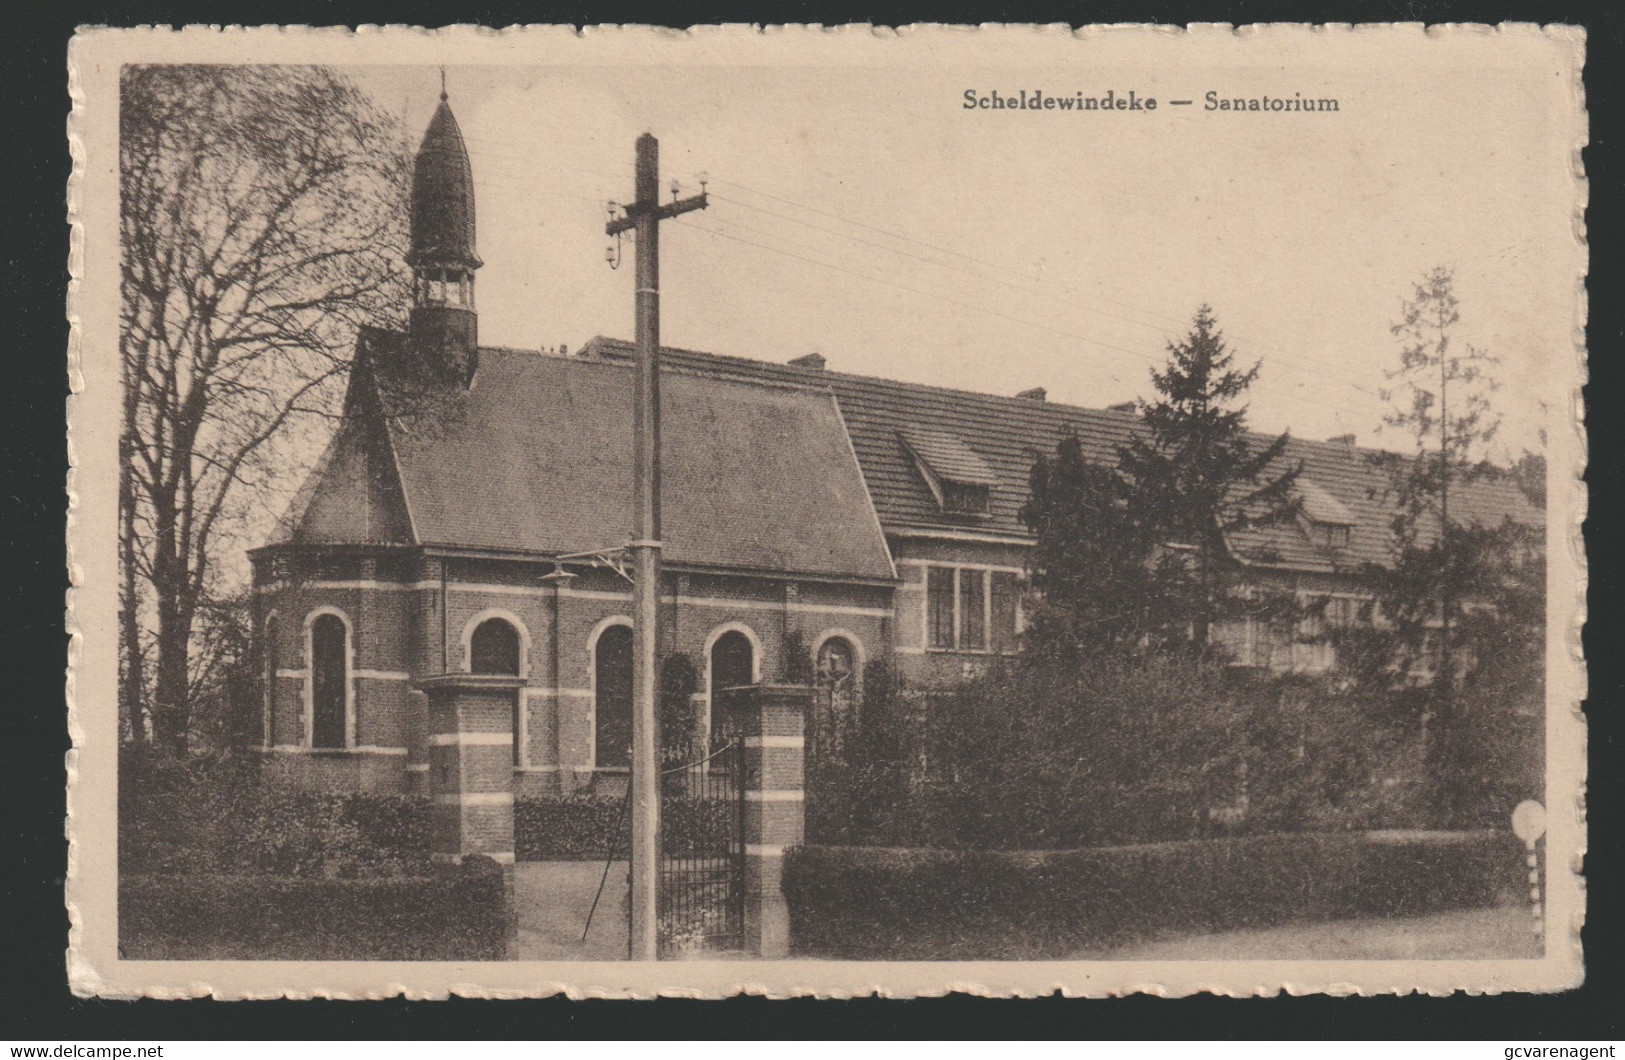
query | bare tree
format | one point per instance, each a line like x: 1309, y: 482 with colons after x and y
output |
x: 262, y: 222
x: 1441, y: 399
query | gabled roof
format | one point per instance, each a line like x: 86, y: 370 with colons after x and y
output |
x: 536, y: 458
x: 1006, y: 434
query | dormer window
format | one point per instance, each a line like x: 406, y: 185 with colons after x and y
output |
x: 1334, y: 535
x: 960, y: 481
x: 1327, y: 520
x: 964, y: 498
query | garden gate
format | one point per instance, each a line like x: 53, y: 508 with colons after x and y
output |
x: 701, y: 892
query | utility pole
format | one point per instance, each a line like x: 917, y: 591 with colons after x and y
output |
x: 643, y: 217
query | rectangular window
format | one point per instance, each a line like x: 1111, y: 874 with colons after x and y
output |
x: 1006, y: 594
x: 963, y: 498
x: 973, y: 610
x: 939, y: 603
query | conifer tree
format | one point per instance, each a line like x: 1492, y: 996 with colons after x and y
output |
x: 1195, y: 478
x: 1089, y: 568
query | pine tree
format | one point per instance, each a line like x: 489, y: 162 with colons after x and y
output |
x: 1195, y: 478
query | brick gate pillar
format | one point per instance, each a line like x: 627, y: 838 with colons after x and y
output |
x: 771, y: 719
x: 471, y: 773
x: 471, y: 763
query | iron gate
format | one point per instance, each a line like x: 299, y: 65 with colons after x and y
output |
x: 700, y: 902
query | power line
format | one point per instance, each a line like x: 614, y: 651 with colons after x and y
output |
x: 1154, y: 361
x: 1282, y: 358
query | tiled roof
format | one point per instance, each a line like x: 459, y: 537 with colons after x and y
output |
x: 948, y: 457
x: 1320, y: 506
x: 537, y: 458
x: 1007, y: 433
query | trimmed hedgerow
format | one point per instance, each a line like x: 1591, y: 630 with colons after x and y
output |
x: 587, y: 827
x: 222, y: 817
x: 911, y: 904
x: 454, y: 914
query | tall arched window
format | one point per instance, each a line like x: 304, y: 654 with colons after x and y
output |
x: 733, y: 661
x: 329, y: 681
x: 612, y: 697
x: 494, y: 648
x: 271, y: 656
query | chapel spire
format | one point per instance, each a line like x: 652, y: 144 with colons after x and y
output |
x: 444, y: 325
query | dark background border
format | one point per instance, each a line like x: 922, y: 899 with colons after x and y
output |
x: 33, y: 277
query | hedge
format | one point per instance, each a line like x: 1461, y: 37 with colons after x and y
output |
x: 589, y: 827
x: 223, y: 817
x: 459, y: 914
x: 914, y: 904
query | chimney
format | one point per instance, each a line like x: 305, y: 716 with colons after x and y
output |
x: 814, y: 361
x: 1123, y: 406
x: 1037, y: 393
x: 1343, y: 439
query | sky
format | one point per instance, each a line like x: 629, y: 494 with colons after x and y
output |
x: 862, y: 213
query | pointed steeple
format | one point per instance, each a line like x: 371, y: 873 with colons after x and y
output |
x: 443, y: 256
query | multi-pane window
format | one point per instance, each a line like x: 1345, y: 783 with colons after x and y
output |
x: 971, y: 609
x: 939, y: 595
x: 1006, y: 598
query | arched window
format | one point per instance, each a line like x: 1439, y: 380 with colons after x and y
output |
x: 733, y: 661
x: 612, y: 697
x: 329, y: 681
x: 493, y: 648
x: 271, y: 656
x: 835, y: 675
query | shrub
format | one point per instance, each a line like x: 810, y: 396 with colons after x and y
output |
x: 220, y: 816
x: 1038, y: 755
x: 587, y: 827
x: 914, y: 904
x: 454, y: 914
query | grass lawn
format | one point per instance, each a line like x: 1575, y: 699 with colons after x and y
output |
x: 1501, y: 933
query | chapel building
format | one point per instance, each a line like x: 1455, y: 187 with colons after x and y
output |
x: 466, y: 517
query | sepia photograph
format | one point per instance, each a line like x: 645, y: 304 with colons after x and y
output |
x: 818, y: 512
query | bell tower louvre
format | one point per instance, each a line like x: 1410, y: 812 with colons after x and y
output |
x: 444, y: 325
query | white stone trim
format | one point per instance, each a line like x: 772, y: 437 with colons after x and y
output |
x: 556, y: 769
x: 581, y: 594
x: 797, y: 742
x: 749, y: 634
x: 904, y: 533
x: 270, y: 672
x: 349, y: 676
x: 476, y: 798
x: 764, y: 850
x: 851, y: 638
x: 592, y: 679
x: 504, y: 615
x: 417, y: 767
x: 471, y: 739
x: 556, y: 693
x: 288, y: 673
x: 908, y: 649
x: 382, y: 675
x: 792, y: 607
x: 775, y: 795
x: 955, y: 563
